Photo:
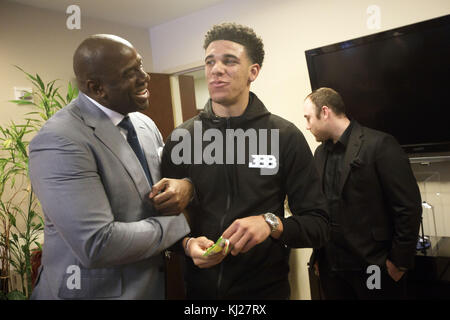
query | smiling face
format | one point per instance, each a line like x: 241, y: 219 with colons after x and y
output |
x: 229, y: 73
x: 110, y: 71
x: 125, y: 83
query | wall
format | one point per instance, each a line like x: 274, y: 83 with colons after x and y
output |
x: 201, y: 92
x: 38, y: 41
x: 288, y: 28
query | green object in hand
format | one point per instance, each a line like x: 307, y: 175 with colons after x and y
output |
x: 217, y: 247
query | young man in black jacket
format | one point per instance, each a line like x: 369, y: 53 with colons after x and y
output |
x: 243, y: 161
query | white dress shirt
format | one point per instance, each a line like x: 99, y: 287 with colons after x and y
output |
x: 115, y: 117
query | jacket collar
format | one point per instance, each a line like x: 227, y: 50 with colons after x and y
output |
x: 111, y: 137
x: 355, y: 142
x: 255, y: 109
x: 115, y: 117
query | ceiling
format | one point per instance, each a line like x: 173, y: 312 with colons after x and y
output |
x: 139, y: 13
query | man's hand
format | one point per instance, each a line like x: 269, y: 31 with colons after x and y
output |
x: 195, y: 249
x: 246, y: 233
x: 171, y: 196
x: 394, y: 272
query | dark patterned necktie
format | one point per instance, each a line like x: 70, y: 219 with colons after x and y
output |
x: 134, y: 144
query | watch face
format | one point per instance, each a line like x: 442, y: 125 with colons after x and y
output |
x: 271, y: 219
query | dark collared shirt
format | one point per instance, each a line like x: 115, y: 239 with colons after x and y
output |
x: 336, y: 251
x: 334, y: 164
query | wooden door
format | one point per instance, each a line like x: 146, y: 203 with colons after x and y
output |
x: 161, y: 110
x: 187, y: 96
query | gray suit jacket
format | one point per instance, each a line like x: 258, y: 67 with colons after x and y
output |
x: 103, y: 238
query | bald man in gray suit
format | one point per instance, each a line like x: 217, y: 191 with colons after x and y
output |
x: 108, y: 216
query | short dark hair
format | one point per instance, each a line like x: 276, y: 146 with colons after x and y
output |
x: 327, y: 97
x: 239, y: 34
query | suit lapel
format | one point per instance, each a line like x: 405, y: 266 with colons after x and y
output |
x: 354, y: 146
x: 110, y: 136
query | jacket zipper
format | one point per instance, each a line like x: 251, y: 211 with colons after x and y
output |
x: 222, y: 221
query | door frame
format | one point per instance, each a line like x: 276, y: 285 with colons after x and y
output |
x: 175, y: 87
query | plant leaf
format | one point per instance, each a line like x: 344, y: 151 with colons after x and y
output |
x: 29, y: 75
x: 16, y: 295
x: 41, y: 83
x: 21, y: 102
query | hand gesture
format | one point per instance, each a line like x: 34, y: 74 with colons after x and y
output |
x: 246, y: 233
x: 171, y: 196
x: 195, y: 249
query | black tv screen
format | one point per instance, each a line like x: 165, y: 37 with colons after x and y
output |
x: 396, y: 81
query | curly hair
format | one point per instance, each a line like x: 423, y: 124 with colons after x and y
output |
x: 239, y: 34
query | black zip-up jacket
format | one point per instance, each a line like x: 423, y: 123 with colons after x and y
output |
x: 230, y: 188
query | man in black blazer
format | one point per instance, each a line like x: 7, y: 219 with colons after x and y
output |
x: 374, y: 203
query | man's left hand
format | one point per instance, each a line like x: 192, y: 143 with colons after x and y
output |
x: 394, y: 272
x: 171, y: 196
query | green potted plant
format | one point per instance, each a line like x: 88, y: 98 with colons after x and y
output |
x: 20, y: 222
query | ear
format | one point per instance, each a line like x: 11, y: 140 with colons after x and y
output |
x: 325, y: 111
x: 253, y: 72
x: 95, y: 89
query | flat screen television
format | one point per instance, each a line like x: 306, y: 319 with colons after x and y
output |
x: 396, y: 81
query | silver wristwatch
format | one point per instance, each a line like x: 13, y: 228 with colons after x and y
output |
x: 272, y: 221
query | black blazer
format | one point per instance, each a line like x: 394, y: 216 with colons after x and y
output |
x: 380, y: 200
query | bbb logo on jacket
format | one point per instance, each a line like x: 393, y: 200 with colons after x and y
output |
x: 262, y: 152
x: 263, y: 161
